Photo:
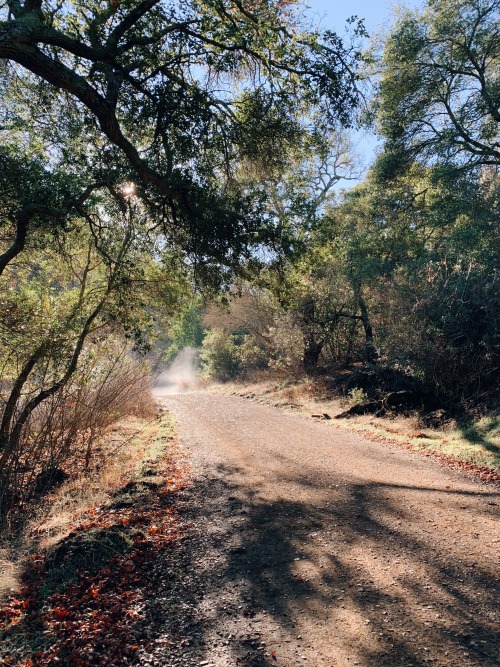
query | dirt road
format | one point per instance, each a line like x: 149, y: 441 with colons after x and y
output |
x: 317, y: 547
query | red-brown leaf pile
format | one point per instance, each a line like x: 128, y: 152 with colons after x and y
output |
x: 103, y: 617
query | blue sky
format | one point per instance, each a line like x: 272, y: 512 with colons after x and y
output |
x: 377, y: 13
x: 333, y: 14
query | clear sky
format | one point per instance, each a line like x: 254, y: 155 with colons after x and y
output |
x: 377, y: 14
x: 333, y: 14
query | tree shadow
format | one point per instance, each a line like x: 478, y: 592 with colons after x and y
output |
x: 290, y: 560
x: 335, y: 555
x: 472, y: 433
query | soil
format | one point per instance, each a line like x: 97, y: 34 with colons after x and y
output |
x: 315, y: 546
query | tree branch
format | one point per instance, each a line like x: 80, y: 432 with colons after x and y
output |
x: 63, y: 78
x: 131, y: 19
x: 22, y: 223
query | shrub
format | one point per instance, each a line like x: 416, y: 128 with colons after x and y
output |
x: 108, y: 385
x: 357, y: 396
x: 220, y: 356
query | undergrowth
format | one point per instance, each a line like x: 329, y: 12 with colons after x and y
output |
x: 85, y: 599
x: 127, y: 449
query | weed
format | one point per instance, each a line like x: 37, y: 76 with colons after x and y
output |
x: 357, y: 396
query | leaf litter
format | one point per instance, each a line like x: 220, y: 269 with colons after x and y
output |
x: 109, y: 592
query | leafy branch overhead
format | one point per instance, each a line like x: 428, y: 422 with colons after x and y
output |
x: 181, y: 93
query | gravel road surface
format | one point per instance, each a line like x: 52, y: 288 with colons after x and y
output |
x: 314, y: 546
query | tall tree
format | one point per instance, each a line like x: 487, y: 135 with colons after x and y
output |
x: 297, y: 202
x: 439, y: 95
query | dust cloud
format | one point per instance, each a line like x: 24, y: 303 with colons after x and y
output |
x: 180, y: 376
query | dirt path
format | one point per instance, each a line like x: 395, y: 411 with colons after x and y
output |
x: 317, y: 547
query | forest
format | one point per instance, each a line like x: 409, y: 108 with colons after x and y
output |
x: 191, y: 174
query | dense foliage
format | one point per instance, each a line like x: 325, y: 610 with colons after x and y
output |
x: 174, y: 97
x: 439, y: 97
x: 400, y: 272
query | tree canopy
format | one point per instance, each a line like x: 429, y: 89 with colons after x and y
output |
x: 174, y: 97
x: 439, y: 97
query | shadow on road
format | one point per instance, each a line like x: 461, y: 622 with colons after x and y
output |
x: 347, y: 565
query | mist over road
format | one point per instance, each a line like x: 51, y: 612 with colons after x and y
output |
x: 180, y: 375
x: 318, y: 547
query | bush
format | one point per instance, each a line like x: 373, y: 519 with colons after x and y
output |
x: 220, y: 356
x: 447, y: 335
x: 108, y: 385
x: 460, y: 346
x: 357, y: 396
x: 253, y: 357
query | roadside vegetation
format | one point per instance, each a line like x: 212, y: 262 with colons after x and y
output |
x: 186, y: 174
x: 90, y: 557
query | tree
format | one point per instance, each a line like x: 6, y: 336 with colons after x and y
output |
x: 102, y: 278
x: 171, y: 96
x: 439, y: 94
x: 185, y: 329
x: 33, y: 198
x: 297, y: 201
x: 422, y: 252
x: 220, y: 355
x: 313, y: 291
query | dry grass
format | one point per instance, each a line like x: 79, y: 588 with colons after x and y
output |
x: 476, y: 442
x: 9, y: 574
x: 119, y: 457
x: 110, y: 385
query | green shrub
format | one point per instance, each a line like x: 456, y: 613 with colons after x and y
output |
x: 220, y: 356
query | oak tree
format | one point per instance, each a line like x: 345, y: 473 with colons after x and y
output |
x: 439, y: 94
x: 172, y: 96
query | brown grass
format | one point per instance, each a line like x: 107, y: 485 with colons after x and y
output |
x: 105, y: 389
x: 117, y: 459
x: 9, y: 574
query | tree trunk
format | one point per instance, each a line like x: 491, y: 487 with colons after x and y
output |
x: 312, y: 346
x: 312, y: 350
x: 371, y: 354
